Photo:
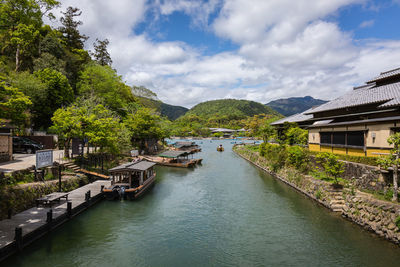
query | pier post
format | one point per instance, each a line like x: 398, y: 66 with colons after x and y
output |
x: 49, y: 216
x: 101, y: 188
x: 9, y: 213
x: 18, y: 237
x: 87, y: 196
x: 59, y: 178
x: 69, y: 209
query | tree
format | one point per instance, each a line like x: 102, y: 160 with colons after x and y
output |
x: 104, y: 83
x: 66, y: 123
x: 20, y: 21
x: 393, y: 160
x: 144, y: 125
x: 332, y: 166
x: 101, y: 54
x: 296, y: 135
x: 31, y: 86
x: 58, y: 93
x: 71, y: 35
x: 13, y: 105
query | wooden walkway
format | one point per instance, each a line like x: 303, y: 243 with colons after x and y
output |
x: 35, y: 222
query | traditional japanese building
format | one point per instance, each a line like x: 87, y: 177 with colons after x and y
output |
x: 357, y: 123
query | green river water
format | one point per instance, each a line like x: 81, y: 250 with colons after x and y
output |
x: 223, y: 213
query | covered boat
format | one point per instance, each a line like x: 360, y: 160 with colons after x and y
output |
x: 174, y: 158
x: 130, y: 180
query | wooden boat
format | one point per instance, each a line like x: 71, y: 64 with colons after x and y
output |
x: 174, y: 158
x: 187, y: 146
x: 130, y: 180
x: 220, y: 149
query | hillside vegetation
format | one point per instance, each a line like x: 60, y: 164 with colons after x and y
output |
x: 225, y: 113
x: 232, y: 108
x: 293, y: 105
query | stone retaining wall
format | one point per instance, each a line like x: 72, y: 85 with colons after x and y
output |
x: 374, y: 215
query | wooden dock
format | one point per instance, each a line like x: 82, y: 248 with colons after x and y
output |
x: 27, y: 226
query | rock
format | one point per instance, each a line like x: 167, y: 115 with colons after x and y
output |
x: 391, y: 226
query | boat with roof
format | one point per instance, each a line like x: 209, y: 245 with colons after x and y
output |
x: 130, y: 180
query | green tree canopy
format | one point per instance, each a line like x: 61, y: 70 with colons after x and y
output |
x: 13, y: 105
x: 58, y: 93
x: 104, y: 83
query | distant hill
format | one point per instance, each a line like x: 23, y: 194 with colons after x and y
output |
x: 293, y: 105
x: 166, y: 110
x: 231, y: 108
x: 172, y: 112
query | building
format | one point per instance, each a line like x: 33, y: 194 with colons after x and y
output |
x: 357, y: 123
x: 227, y: 133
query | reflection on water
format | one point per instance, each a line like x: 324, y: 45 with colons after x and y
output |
x: 223, y: 213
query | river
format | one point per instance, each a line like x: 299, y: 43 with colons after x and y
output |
x: 223, y: 213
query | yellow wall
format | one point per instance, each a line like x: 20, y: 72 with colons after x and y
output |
x: 339, y: 150
x: 326, y: 149
x: 355, y: 152
x: 313, y: 147
x: 375, y: 152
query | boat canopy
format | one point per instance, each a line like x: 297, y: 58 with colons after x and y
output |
x: 133, y: 166
x: 181, y: 144
x: 173, y: 154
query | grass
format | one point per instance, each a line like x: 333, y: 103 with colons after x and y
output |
x: 373, y: 161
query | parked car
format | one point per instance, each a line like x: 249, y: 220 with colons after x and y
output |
x: 25, y: 145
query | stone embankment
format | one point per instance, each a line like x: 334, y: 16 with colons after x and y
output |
x: 361, y: 208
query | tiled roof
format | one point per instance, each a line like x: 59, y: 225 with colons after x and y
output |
x: 299, y: 117
x: 388, y: 95
x: 385, y: 75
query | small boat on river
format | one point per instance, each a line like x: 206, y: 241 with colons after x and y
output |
x: 174, y: 158
x: 220, y: 148
x: 130, y: 180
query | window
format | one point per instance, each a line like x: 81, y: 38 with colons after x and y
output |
x: 343, y: 138
x: 339, y: 138
x: 326, y: 138
x: 355, y: 138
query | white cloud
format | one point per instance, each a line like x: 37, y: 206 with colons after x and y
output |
x: 286, y: 48
x: 367, y: 23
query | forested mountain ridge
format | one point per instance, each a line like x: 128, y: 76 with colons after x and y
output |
x: 293, y: 105
x: 233, y: 108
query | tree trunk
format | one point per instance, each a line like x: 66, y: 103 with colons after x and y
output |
x: 66, y: 148
x: 395, y: 179
x: 17, y: 61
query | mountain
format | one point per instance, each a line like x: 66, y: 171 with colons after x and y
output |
x: 293, y: 105
x: 231, y: 108
x: 166, y: 110
x: 172, y: 112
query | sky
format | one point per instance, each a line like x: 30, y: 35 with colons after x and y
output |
x: 190, y: 51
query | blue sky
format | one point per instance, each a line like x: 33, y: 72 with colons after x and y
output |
x: 189, y: 51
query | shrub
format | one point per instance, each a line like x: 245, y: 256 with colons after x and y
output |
x: 298, y: 157
x: 397, y: 221
x: 332, y: 166
x: 262, y: 149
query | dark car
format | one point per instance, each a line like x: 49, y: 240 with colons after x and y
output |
x: 25, y: 145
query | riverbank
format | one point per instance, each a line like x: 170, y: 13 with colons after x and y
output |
x: 377, y: 216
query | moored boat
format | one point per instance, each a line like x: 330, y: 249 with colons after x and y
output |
x: 130, y: 180
x: 174, y: 158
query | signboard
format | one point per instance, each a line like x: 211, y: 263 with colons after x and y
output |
x: 134, y: 153
x: 77, y: 146
x: 44, y: 158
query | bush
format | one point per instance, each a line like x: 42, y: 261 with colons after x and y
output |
x: 298, y: 158
x: 262, y: 149
x: 333, y: 168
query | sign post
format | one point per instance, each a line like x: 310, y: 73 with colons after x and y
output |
x: 44, y: 158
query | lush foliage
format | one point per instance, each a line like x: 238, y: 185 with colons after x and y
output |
x: 13, y: 105
x: 333, y: 168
